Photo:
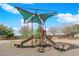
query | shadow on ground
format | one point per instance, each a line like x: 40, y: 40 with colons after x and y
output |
x: 66, y: 46
x: 62, y: 47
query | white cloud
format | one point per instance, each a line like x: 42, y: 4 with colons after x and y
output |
x: 26, y: 24
x: 29, y: 25
x: 16, y: 31
x: 68, y: 18
x: 22, y: 22
x: 9, y: 8
x: 15, y: 28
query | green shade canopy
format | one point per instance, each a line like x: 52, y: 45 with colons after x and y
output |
x: 25, y: 13
x: 35, y: 18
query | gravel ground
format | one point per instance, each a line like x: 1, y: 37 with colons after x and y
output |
x: 7, y: 49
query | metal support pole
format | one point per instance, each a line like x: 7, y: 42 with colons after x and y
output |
x: 32, y: 32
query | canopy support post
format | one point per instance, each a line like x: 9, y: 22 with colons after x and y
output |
x: 32, y: 31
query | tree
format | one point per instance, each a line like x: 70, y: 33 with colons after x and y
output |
x: 25, y: 31
x: 76, y: 28
x: 9, y: 32
x: 70, y: 30
x: 4, y: 30
x: 53, y: 30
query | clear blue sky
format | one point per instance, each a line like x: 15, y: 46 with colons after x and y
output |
x: 14, y: 20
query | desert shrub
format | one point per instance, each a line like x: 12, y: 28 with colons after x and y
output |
x: 71, y: 30
x: 25, y: 32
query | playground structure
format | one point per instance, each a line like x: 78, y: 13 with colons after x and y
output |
x: 40, y: 19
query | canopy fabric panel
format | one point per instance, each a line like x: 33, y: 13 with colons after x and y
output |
x: 35, y: 19
x: 25, y: 13
x: 44, y: 17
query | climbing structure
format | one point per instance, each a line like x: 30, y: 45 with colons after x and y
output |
x: 40, y: 19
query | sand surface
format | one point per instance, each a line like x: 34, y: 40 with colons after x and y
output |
x: 7, y: 49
